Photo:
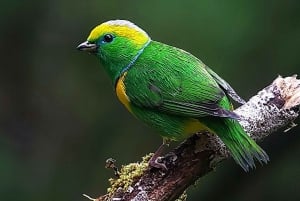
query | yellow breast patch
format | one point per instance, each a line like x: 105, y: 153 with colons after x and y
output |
x: 121, y: 92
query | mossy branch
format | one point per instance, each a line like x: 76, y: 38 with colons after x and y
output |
x: 274, y: 107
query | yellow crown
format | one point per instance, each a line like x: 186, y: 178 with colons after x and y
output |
x: 121, y: 28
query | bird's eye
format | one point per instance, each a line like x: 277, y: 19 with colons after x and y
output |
x: 108, y: 38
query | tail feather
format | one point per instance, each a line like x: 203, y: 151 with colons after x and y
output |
x: 243, y: 149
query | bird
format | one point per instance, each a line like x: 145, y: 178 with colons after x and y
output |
x: 170, y: 89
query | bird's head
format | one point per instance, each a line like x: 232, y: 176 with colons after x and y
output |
x: 116, y: 43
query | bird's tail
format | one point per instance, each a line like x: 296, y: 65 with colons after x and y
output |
x: 243, y: 149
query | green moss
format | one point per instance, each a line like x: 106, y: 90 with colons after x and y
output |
x: 183, y: 197
x: 128, y: 175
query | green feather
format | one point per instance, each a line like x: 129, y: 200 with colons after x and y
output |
x: 243, y: 149
x: 168, y: 87
x: 178, y: 85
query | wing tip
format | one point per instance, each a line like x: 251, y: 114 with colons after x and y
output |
x: 228, y: 114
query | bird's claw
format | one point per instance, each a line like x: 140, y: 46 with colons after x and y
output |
x: 157, y: 163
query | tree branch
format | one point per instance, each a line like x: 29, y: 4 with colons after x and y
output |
x: 274, y: 107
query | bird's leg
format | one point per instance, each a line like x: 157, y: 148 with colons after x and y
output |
x: 155, y: 160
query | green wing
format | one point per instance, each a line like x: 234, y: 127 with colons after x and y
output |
x: 195, y: 110
x: 225, y: 86
x: 176, y: 83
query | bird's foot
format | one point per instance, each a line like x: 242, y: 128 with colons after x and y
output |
x: 156, y: 162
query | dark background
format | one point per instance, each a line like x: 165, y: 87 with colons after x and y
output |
x: 59, y: 117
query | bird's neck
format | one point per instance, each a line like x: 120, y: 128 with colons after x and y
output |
x: 117, y: 69
x: 135, y: 58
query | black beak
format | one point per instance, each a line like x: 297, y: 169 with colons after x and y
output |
x: 88, y: 47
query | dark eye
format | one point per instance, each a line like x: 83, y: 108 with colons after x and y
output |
x: 108, y: 38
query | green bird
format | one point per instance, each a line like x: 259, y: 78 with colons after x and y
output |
x: 169, y: 89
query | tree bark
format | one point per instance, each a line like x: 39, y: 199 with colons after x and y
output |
x: 274, y: 107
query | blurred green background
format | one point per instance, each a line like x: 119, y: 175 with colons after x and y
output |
x: 59, y: 117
